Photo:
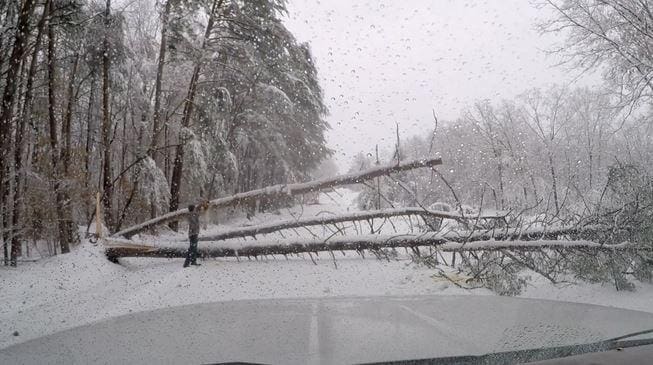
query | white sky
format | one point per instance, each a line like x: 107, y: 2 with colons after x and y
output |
x: 382, y: 62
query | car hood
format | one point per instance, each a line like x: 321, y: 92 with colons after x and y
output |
x: 330, y: 331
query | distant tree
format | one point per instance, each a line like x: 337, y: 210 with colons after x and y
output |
x: 612, y: 35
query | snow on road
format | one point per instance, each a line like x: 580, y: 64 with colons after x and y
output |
x: 83, y: 286
x: 65, y: 291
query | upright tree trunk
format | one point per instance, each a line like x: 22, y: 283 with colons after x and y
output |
x: 67, y: 219
x: 178, y: 165
x: 67, y: 120
x: 107, y: 196
x: 10, y: 229
x: 156, y: 119
x: 8, y: 101
x: 2, y: 57
x: 497, y: 155
x: 90, y: 131
x: 20, y: 134
x: 166, y: 153
x: 554, y: 184
x: 590, y: 172
x: 66, y: 232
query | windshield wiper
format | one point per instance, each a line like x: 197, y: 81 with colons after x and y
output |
x: 539, y: 354
x: 634, y: 334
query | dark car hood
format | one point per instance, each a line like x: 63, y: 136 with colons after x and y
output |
x: 330, y: 331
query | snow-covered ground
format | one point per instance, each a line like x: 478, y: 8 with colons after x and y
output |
x: 81, y: 287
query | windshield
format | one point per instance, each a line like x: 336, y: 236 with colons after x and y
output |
x: 165, y: 153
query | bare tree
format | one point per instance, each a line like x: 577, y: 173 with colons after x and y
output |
x: 616, y: 34
x: 107, y: 185
x: 546, y: 116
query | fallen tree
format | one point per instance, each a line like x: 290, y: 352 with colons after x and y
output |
x: 253, y: 231
x: 130, y: 250
x: 522, y: 239
x: 277, y: 191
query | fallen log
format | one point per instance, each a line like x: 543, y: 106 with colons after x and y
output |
x: 277, y: 191
x: 114, y: 252
x: 358, y: 216
x: 471, y: 241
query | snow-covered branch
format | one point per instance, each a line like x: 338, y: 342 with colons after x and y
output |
x: 358, y: 216
x: 276, y: 191
x: 530, y: 240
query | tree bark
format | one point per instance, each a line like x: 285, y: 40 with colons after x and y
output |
x: 67, y: 120
x: 11, y: 228
x: 107, y: 196
x: 554, y: 185
x: 156, y: 117
x: 90, y: 131
x: 277, y: 191
x: 123, y: 248
x: 178, y: 165
x: 7, y: 106
x: 65, y: 226
x: 20, y: 134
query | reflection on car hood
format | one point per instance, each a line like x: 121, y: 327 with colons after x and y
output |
x: 330, y: 331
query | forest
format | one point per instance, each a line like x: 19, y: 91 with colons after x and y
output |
x: 152, y: 104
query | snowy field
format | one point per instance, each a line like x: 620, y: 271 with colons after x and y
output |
x: 65, y: 291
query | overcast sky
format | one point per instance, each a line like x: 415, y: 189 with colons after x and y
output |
x: 382, y: 62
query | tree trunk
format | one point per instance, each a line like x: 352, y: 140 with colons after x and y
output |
x: 497, y: 155
x: 90, y: 131
x: 7, y: 107
x: 156, y: 118
x: 120, y: 248
x: 2, y: 43
x: 20, y: 134
x: 70, y: 226
x: 11, y: 228
x: 178, y: 165
x: 66, y: 233
x: 107, y: 196
x: 554, y: 184
x: 67, y: 120
x: 166, y: 154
